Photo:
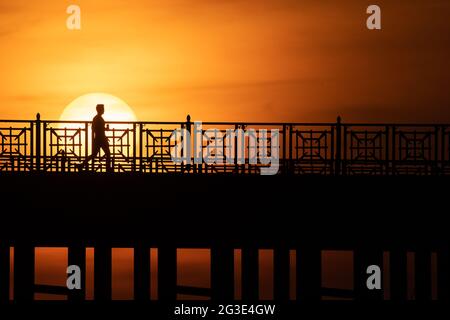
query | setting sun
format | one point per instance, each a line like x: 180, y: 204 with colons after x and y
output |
x: 83, y: 108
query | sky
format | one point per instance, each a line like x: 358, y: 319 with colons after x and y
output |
x: 229, y: 60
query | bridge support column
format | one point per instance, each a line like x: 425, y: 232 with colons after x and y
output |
x: 309, y: 274
x: 4, y: 272
x: 398, y: 274
x: 281, y: 270
x: 423, y: 274
x: 222, y: 273
x: 141, y: 273
x: 102, y: 273
x: 167, y: 273
x: 362, y: 259
x: 443, y: 274
x: 77, y: 256
x: 250, y: 274
x: 24, y: 273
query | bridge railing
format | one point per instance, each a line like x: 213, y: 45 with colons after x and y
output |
x: 303, y: 148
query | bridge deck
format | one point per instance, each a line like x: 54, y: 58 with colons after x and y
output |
x: 202, y: 209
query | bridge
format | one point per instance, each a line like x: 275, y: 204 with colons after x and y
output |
x: 375, y: 189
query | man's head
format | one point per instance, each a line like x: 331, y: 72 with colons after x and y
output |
x: 100, y: 109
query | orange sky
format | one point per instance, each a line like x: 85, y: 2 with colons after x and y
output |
x: 246, y: 60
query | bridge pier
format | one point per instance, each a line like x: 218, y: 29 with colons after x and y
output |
x: 222, y: 273
x: 167, y: 273
x: 281, y: 270
x: 363, y: 258
x: 250, y: 274
x: 141, y: 273
x: 77, y: 256
x: 102, y: 273
x: 423, y: 274
x: 24, y: 272
x: 398, y: 274
x: 4, y: 272
x: 443, y: 273
x: 309, y: 274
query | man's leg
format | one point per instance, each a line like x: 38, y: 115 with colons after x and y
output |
x: 95, y: 150
x: 105, y: 147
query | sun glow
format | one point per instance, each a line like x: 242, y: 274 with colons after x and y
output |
x: 83, y: 108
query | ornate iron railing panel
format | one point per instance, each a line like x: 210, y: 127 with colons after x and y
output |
x: 311, y: 149
x: 302, y: 148
x: 16, y: 145
x: 366, y: 150
x: 155, y: 148
x: 416, y: 150
x: 64, y: 145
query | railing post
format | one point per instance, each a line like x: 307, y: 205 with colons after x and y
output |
x: 187, y: 143
x: 44, y: 149
x: 443, y: 148
x: 291, y: 151
x: 38, y: 142
x: 236, y: 149
x: 393, y: 148
x: 141, y: 146
x: 338, y: 147
x: 32, y: 146
x: 387, y: 152
x: 436, y: 150
x: 284, y: 170
x: 11, y: 160
x: 134, y: 146
x: 86, y: 142
x: 63, y: 161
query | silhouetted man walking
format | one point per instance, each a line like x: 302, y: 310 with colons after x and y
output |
x: 99, y: 139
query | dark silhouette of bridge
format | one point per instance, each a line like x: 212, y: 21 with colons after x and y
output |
x: 322, y: 199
